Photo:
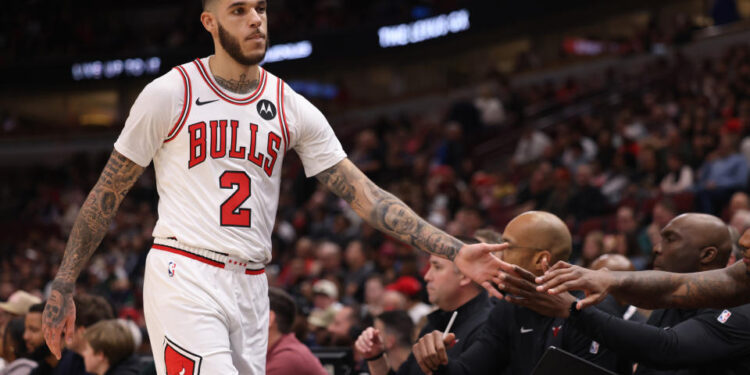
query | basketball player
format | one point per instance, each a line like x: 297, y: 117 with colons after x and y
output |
x: 217, y: 130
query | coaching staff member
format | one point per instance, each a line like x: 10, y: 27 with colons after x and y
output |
x: 675, y: 341
x: 514, y: 338
x: 451, y: 291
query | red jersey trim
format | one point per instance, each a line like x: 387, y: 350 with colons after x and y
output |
x: 185, y: 106
x: 226, y: 97
x: 282, y: 118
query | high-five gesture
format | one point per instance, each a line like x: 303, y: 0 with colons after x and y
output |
x: 564, y: 277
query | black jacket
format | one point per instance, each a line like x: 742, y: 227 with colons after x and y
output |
x: 129, y: 366
x: 514, y: 339
x: 471, y: 316
x: 693, y: 342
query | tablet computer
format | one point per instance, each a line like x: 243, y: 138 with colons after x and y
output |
x: 557, y: 361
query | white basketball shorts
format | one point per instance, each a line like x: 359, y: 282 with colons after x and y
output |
x: 206, y: 312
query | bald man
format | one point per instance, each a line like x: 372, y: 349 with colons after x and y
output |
x: 514, y: 338
x: 706, y: 341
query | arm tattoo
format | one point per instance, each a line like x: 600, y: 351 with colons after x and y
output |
x: 95, y: 215
x: 241, y: 86
x: 386, y: 212
x: 651, y: 289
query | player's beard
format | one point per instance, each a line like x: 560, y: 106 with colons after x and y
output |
x: 233, y: 48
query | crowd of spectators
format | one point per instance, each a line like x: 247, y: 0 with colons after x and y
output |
x: 679, y: 143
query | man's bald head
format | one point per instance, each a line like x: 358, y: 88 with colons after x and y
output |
x: 532, y: 233
x: 693, y: 242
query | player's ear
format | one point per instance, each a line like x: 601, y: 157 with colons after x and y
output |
x: 209, y: 21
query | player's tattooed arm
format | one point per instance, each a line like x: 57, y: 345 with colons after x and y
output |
x: 89, y: 228
x: 729, y: 286
x: 386, y: 212
x: 241, y: 86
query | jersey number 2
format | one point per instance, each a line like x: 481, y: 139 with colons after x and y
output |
x: 231, y: 213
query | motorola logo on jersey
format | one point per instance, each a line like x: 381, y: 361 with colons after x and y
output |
x: 266, y: 109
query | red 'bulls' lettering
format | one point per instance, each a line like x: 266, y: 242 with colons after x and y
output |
x: 233, y: 152
x: 218, y: 138
x: 220, y: 142
x: 256, y: 159
x: 272, y: 152
x: 197, y: 143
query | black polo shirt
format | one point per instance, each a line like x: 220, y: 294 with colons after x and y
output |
x: 706, y: 341
x: 471, y: 316
x: 514, y: 339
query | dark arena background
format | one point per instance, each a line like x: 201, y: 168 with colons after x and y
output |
x: 615, y: 116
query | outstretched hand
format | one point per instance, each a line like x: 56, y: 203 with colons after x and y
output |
x: 564, y: 277
x: 59, y: 317
x: 522, y: 291
x: 477, y: 262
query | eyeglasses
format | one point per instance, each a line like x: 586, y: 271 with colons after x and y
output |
x: 513, y: 247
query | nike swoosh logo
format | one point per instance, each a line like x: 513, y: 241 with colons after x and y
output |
x: 199, y: 102
x: 526, y: 330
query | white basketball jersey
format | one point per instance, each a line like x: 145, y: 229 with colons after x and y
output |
x: 218, y: 156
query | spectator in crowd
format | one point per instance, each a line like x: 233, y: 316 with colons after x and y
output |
x: 109, y: 349
x: 358, y: 268
x: 37, y: 347
x: 90, y: 309
x: 593, y: 247
x: 739, y: 201
x: 662, y: 213
x: 627, y: 237
x: 14, y: 351
x: 17, y: 305
x: 531, y: 146
x: 374, y: 289
x: 587, y: 201
x: 410, y: 288
x: 722, y: 174
x: 343, y: 329
x: 740, y: 220
x: 679, y: 177
x: 286, y: 354
x: 703, y: 341
x: 513, y: 338
x: 326, y: 305
x: 387, y: 345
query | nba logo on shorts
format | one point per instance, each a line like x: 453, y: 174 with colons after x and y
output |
x: 170, y: 268
x: 724, y: 316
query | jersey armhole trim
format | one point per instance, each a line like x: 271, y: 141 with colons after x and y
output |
x: 185, y: 106
x: 282, y: 114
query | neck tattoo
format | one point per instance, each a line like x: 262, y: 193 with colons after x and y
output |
x: 241, y: 86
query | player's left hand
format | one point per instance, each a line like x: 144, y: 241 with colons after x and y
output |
x: 477, y: 262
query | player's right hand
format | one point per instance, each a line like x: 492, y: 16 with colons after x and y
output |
x: 59, y: 317
x: 431, y: 350
x: 368, y: 343
x: 563, y: 277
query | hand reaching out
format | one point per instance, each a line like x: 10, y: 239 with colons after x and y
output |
x: 563, y: 277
